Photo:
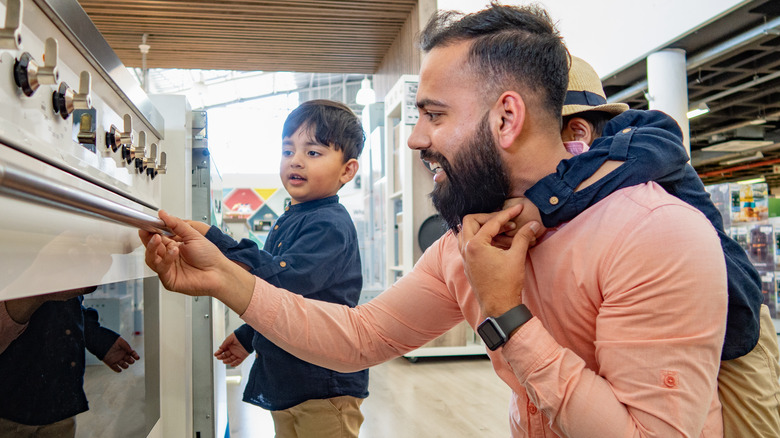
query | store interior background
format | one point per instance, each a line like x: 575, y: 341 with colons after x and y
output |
x: 245, y: 110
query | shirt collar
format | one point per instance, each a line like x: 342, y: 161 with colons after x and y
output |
x: 311, y: 205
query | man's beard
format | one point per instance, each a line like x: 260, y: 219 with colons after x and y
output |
x: 476, y: 182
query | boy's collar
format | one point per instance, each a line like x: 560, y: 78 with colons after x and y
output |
x: 309, y: 205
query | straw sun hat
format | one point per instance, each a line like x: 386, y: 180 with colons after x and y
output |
x: 585, y: 91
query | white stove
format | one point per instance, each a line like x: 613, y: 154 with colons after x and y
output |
x: 82, y: 158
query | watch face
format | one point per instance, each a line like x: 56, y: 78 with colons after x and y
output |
x: 491, y: 334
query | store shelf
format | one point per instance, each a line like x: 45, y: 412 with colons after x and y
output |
x: 467, y: 350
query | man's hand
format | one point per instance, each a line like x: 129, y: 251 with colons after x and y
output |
x: 120, y: 356
x: 231, y: 352
x: 190, y: 264
x: 496, y: 274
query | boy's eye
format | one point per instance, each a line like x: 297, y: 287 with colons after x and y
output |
x: 313, y: 153
x: 287, y: 153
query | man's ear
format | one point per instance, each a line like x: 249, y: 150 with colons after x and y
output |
x: 349, y: 171
x: 511, y: 108
x: 577, y: 129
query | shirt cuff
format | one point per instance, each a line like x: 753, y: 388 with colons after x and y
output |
x: 263, y: 306
x: 529, y: 347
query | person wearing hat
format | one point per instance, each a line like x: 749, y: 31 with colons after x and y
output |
x: 642, y: 146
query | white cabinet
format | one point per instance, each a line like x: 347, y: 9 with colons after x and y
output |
x: 408, y: 206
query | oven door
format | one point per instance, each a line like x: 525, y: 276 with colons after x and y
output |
x: 58, y: 231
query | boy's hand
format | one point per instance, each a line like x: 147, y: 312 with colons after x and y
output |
x: 231, y: 352
x: 200, y: 227
x: 120, y: 356
x: 530, y: 213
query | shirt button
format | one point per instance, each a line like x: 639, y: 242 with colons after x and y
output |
x: 626, y: 131
x: 73, y: 364
x: 67, y: 332
x: 532, y: 409
x: 283, y: 264
x: 554, y: 200
x: 276, y: 227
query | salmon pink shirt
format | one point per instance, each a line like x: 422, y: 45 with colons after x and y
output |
x: 629, y: 305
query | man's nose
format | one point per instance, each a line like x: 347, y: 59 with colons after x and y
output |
x: 419, y: 139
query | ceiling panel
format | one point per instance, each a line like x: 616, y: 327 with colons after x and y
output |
x: 325, y: 36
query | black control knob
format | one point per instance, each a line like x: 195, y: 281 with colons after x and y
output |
x: 62, y: 100
x: 113, y: 139
x: 26, y: 74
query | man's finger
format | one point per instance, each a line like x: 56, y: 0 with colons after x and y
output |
x: 525, y: 238
x: 494, y: 226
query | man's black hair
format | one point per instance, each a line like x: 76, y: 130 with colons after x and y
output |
x: 333, y: 124
x: 514, y: 47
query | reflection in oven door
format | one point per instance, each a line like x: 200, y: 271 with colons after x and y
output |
x: 82, y: 168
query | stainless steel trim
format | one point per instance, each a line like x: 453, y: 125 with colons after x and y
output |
x: 71, y: 19
x: 24, y: 184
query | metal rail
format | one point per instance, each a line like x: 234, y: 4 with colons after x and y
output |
x: 23, y: 184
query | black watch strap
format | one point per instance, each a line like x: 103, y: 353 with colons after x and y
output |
x: 496, y: 331
x: 514, y: 318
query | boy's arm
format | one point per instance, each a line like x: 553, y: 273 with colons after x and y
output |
x: 244, y: 253
x: 309, y: 263
x: 649, y: 143
x: 97, y: 339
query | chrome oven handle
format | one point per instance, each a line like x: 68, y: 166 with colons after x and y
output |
x: 23, y: 184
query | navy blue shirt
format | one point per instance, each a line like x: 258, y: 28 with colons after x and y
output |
x: 313, y: 251
x: 42, y: 371
x: 650, y: 144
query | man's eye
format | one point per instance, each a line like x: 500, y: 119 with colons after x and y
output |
x: 431, y: 116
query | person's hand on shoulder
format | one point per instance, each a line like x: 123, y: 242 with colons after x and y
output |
x: 231, y: 352
x: 496, y: 274
x: 529, y: 213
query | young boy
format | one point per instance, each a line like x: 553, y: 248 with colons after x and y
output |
x: 312, y: 250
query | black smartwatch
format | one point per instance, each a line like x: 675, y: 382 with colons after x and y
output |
x: 495, y: 331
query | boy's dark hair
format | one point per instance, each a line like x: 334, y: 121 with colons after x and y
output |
x: 597, y: 119
x: 513, y: 48
x: 333, y: 124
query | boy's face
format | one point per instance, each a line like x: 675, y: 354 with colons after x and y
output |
x: 310, y: 170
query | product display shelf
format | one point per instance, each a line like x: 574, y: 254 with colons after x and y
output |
x: 408, y: 206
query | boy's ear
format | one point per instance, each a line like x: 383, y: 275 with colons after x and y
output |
x: 578, y: 129
x: 349, y: 171
x: 510, y: 107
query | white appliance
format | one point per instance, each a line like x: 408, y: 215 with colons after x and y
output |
x: 81, y: 155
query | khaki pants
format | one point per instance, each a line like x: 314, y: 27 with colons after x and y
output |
x: 337, y: 417
x: 61, y: 429
x: 748, y: 388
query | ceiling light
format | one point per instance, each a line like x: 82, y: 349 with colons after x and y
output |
x: 700, y: 109
x: 757, y: 156
x: 760, y: 179
x: 738, y: 145
x: 366, y: 95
